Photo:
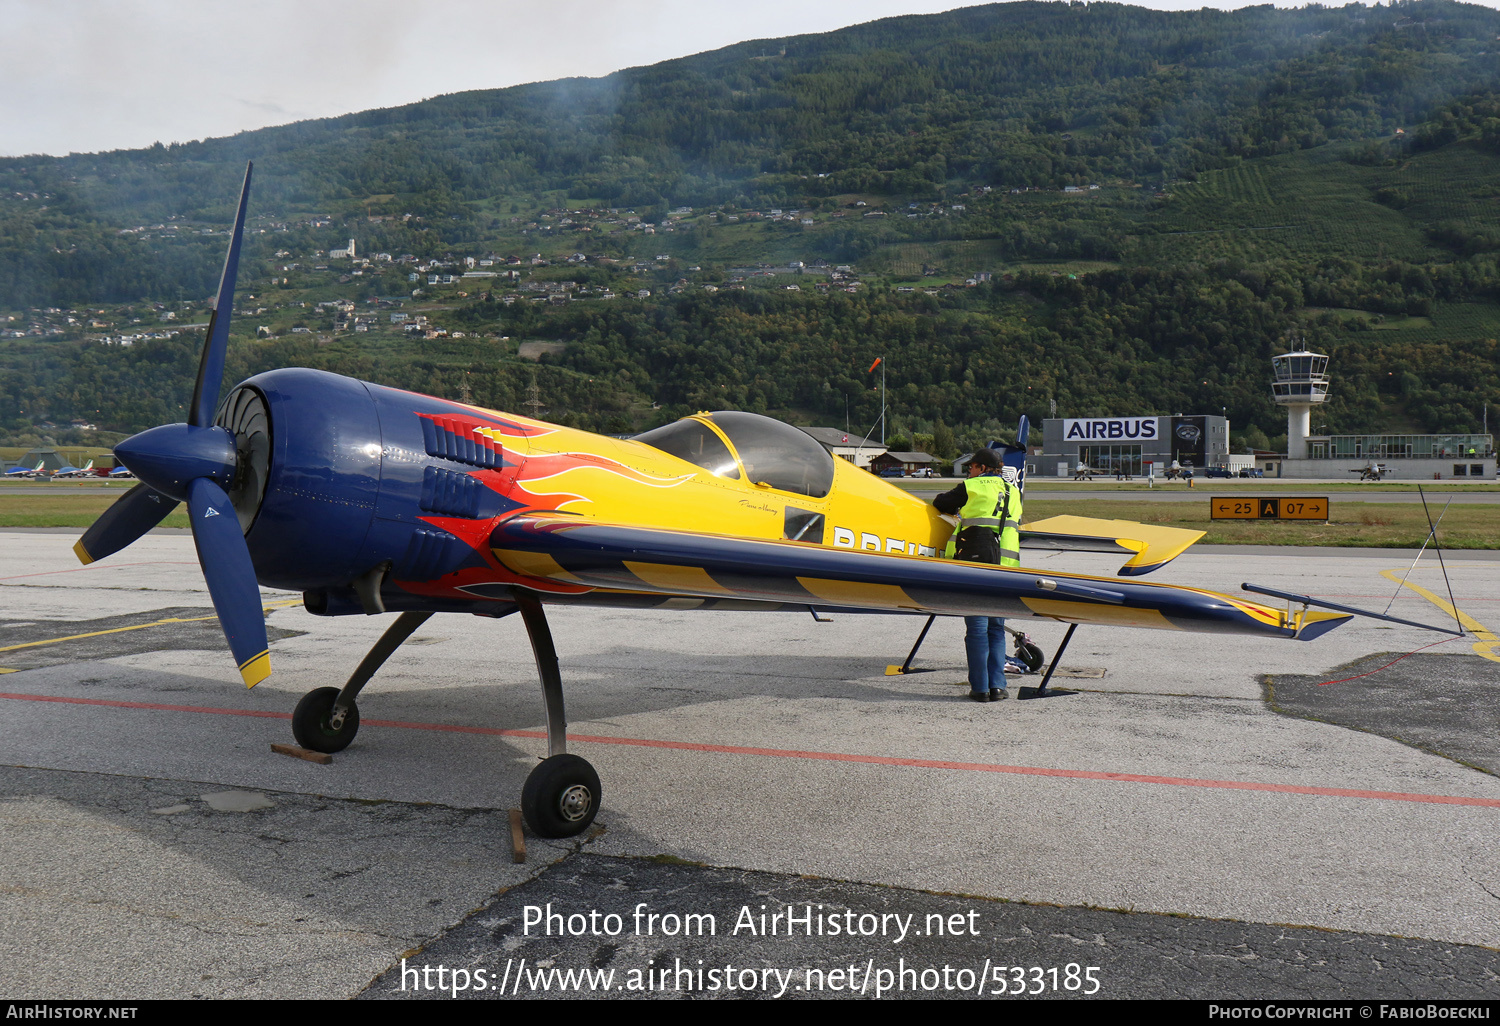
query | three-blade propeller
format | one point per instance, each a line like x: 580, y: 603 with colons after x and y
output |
x: 194, y: 463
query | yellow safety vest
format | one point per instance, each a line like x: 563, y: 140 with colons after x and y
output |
x: 994, y: 504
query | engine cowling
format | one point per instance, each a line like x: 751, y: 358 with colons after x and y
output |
x: 340, y: 483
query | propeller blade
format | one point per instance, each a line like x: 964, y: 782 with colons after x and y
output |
x: 231, y: 578
x: 211, y: 366
x: 132, y: 515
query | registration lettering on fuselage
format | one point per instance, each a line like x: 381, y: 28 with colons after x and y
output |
x: 844, y: 538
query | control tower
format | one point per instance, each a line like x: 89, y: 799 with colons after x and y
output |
x: 1301, y: 382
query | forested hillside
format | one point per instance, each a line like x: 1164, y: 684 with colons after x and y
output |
x: 1151, y: 204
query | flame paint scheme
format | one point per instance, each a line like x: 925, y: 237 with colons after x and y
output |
x: 370, y: 499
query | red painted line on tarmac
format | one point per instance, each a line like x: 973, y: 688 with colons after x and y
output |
x: 151, y: 705
x: 781, y: 753
x: 115, y: 566
x: 453, y: 728
x: 1393, y: 662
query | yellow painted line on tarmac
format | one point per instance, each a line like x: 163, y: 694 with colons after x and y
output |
x: 112, y: 630
x: 1488, y: 644
x: 137, y: 627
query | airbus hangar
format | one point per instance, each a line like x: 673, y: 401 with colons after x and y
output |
x: 1131, y: 445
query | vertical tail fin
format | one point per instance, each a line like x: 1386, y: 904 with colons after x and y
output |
x: 1015, y: 455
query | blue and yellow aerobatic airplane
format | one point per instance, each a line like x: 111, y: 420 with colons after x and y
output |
x: 370, y: 499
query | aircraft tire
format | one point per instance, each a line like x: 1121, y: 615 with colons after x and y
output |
x: 561, y: 797
x: 310, y: 724
x: 1031, y: 655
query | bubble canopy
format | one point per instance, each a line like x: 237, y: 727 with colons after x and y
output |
x: 692, y: 440
x: 770, y: 452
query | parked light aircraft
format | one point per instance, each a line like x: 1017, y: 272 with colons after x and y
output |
x: 72, y: 471
x: 370, y: 499
x: 25, y: 471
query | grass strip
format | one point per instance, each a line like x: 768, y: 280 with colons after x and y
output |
x: 1377, y: 525
x: 53, y: 509
x: 1355, y: 524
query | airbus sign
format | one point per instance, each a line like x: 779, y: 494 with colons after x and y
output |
x: 1105, y: 428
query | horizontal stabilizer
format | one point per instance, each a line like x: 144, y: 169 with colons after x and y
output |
x: 1307, y: 600
x: 1154, y: 546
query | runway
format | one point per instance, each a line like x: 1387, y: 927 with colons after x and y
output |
x: 1165, y: 822
x: 1437, y: 497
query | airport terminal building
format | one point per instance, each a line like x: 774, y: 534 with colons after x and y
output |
x: 1113, y: 445
x: 1403, y: 457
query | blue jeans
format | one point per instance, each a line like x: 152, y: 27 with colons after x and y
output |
x: 985, y: 644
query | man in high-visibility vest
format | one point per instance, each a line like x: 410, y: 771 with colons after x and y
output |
x: 989, y: 505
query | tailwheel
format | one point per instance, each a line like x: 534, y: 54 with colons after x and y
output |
x: 315, y: 725
x: 1028, y: 653
x: 561, y: 796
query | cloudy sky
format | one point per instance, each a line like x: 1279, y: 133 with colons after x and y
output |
x: 88, y: 75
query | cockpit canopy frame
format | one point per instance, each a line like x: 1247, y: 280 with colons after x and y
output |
x: 733, y: 444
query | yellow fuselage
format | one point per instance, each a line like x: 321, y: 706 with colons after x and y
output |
x: 627, y: 482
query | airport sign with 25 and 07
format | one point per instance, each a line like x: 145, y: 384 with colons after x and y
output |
x: 1242, y: 508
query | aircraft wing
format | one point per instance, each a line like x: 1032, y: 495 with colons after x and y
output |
x: 689, y: 566
x: 1152, y: 545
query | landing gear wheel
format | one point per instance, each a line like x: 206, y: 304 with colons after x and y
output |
x: 311, y: 724
x: 1031, y: 655
x: 561, y: 797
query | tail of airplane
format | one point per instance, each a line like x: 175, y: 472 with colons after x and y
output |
x: 1015, y: 455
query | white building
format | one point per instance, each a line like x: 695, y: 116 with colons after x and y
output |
x: 857, y: 449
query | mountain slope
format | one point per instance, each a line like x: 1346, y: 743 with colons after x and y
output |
x: 1325, y: 175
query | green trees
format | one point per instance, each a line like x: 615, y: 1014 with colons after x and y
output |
x: 961, y: 367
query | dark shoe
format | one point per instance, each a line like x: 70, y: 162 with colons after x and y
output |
x: 979, y: 696
x: 999, y: 695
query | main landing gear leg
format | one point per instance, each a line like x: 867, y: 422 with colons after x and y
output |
x: 906, y: 666
x: 327, y: 719
x: 1056, y: 656
x: 562, y: 794
x: 892, y: 670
